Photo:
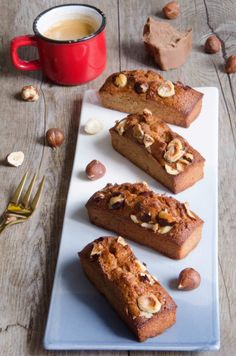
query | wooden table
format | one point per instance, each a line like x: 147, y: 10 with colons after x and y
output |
x: 29, y: 251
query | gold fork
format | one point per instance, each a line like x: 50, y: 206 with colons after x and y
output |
x: 19, y: 211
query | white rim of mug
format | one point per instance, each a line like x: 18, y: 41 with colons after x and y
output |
x: 94, y: 34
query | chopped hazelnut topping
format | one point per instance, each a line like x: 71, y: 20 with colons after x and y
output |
x: 188, y: 211
x: 121, y: 241
x: 171, y: 170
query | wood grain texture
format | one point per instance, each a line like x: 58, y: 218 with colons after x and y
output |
x: 29, y: 251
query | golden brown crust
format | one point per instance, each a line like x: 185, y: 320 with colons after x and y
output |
x: 139, y: 214
x: 111, y: 265
x: 153, y: 146
x: 176, y: 109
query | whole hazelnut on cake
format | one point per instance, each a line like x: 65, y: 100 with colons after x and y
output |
x: 189, y: 279
x: 212, y: 45
x: 171, y: 10
x: 230, y: 66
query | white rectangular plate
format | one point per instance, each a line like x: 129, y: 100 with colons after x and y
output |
x: 79, y: 317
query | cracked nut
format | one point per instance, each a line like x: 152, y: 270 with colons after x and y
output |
x: 182, y: 164
x: 188, y: 156
x: 141, y: 87
x: 120, y: 127
x: 164, y: 218
x: 55, y: 137
x: 212, y: 45
x: 15, y: 159
x: 149, y: 303
x: 171, y: 10
x: 189, y: 279
x: 166, y: 89
x: 29, y: 93
x: 134, y: 219
x: 230, y: 66
x: 138, y: 132
x: 147, y: 112
x: 93, y: 126
x: 97, y: 250
x: 148, y: 140
x: 164, y: 229
x: 171, y: 170
x: 120, y: 80
x: 117, y: 201
x: 174, y: 151
x: 121, y: 241
x: 188, y: 211
x: 95, y: 170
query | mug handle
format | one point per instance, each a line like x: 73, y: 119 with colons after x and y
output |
x: 17, y: 42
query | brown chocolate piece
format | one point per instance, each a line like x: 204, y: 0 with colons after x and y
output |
x: 166, y: 45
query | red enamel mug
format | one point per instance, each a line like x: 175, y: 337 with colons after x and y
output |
x: 66, y: 62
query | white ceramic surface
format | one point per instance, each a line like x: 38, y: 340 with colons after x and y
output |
x: 79, y: 317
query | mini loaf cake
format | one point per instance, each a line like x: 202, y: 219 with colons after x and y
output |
x: 133, y: 91
x: 153, y: 146
x: 169, y: 47
x: 133, y: 292
x: 157, y: 221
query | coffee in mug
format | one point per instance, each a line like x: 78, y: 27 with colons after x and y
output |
x: 72, y: 29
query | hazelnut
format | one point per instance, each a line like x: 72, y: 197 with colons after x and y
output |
x: 230, y: 66
x: 95, y: 170
x: 134, y: 219
x: 120, y: 126
x: 171, y: 10
x: 166, y: 89
x: 96, y: 250
x: 120, y: 80
x: 188, y: 156
x: 149, y: 303
x: 148, y: 140
x: 164, y: 229
x: 164, y: 218
x: 171, y: 170
x: 138, y: 132
x: 212, y: 45
x: 55, y: 137
x: 175, y: 151
x: 116, y: 201
x: 121, y: 241
x: 188, y: 211
x: 147, y: 112
x: 15, y: 159
x: 93, y: 126
x: 189, y: 279
x: 141, y: 87
x: 182, y: 164
x: 29, y: 93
